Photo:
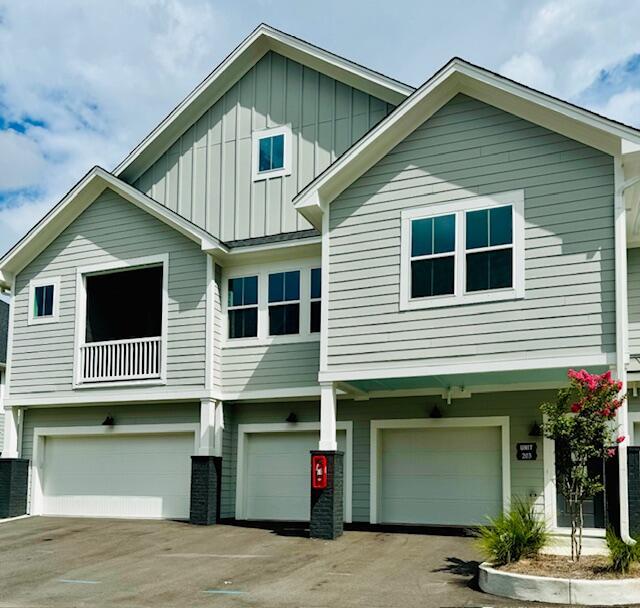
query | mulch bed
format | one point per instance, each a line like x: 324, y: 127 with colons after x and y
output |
x: 589, y: 567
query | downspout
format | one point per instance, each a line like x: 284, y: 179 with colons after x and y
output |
x: 622, y: 334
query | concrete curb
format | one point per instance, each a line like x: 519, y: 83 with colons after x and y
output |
x: 616, y: 592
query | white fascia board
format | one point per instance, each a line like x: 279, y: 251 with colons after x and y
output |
x: 461, y: 77
x: 264, y: 38
x: 76, y: 201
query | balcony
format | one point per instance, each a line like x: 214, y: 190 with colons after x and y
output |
x: 123, y: 321
x: 133, y: 359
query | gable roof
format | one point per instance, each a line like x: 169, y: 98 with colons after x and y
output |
x: 75, y: 202
x: 4, y: 330
x: 459, y: 76
x: 263, y: 39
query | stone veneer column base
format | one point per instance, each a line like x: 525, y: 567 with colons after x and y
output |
x: 205, y: 490
x: 327, y: 506
x: 14, y: 480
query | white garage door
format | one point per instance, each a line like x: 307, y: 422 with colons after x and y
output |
x: 440, y: 476
x: 278, y: 474
x: 118, y: 476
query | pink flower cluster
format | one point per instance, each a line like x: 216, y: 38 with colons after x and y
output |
x: 594, y: 381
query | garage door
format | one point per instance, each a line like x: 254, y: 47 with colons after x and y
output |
x: 278, y: 474
x: 636, y: 434
x: 440, y: 476
x: 118, y: 476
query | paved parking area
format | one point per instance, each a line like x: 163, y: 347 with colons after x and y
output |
x: 57, y: 562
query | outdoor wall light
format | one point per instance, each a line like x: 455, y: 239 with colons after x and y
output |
x: 536, y: 430
x: 108, y: 421
x: 435, y: 412
x: 292, y: 417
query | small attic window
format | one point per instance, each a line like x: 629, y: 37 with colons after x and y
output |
x: 271, y: 153
x: 43, y: 300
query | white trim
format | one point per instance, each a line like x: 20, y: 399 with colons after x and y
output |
x: 233, y: 67
x: 328, y: 440
x: 40, y: 434
x: 80, y: 316
x: 8, y: 367
x: 406, y: 370
x: 634, y: 418
x: 43, y: 281
x: 256, y: 137
x: 324, y: 305
x: 459, y: 208
x: 76, y: 201
x: 293, y: 427
x: 458, y: 76
x: 262, y: 271
x: 209, y: 322
x: 211, y: 427
x: 376, y: 426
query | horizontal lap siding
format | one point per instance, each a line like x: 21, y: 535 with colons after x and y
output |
x: 633, y: 273
x: 468, y: 149
x: 161, y: 413
x: 269, y: 367
x: 210, y: 164
x: 522, y: 408
x: 109, y: 230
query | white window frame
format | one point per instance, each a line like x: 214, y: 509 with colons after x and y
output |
x: 80, y: 320
x: 459, y: 208
x: 287, y: 152
x: 263, y: 271
x: 312, y: 299
x: 43, y: 282
x: 244, y: 306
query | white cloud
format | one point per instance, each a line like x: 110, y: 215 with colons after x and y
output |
x: 100, y: 76
x: 624, y: 107
x: 530, y: 70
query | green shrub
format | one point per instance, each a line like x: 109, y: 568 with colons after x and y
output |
x: 513, y: 535
x: 621, y: 555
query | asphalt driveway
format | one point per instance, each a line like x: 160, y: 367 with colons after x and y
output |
x: 54, y: 562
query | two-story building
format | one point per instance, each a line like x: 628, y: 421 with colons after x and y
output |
x: 308, y: 255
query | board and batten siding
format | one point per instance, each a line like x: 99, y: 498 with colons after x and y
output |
x: 274, y: 366
x: 633, y: 290
x: 527, y: 477
x: 206, y: 175
x: 467, y: 149
x: 109, y: 230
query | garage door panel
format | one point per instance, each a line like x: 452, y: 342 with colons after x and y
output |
x: 448, y: 476
x: 277, y: 474
x: 118, y: 476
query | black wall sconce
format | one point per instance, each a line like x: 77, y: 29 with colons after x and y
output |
x: 435, y: 412
x: 108, y: 421
x: 536, y: 430
x: 292, y: 417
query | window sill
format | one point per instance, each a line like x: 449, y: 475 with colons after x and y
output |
x: 501, y: 295
x: 120, y: 383
x: 271, y: 341
x: 586, y: 532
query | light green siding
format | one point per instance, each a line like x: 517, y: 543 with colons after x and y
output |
x: 266, y: 367
x: 468, y: 149
x: 633, y: 289
x: 159, y: 413
x: 109, y: 230
x: 206, y: 174
x: 521, y: 407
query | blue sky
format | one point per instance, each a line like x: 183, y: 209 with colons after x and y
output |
x: 81, y: 82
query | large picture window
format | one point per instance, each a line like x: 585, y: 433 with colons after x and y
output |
x: 463, y: 252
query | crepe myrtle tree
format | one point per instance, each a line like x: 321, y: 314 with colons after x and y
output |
x: 580, y: 421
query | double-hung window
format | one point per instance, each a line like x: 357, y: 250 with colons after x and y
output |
x: 315, y: 295
x: 465, y: 251
x: 284, y: 303
x: 242, y: 306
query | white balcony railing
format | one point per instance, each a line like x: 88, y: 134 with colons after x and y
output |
x: 134, y: 359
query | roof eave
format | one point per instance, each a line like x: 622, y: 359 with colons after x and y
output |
x: 264, y: 38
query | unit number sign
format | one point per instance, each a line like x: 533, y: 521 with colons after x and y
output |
x: 527, y: 451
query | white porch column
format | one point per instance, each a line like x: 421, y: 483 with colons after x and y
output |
x: 328, y: 440
x: 11, y: 432
x: 211, y: 427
